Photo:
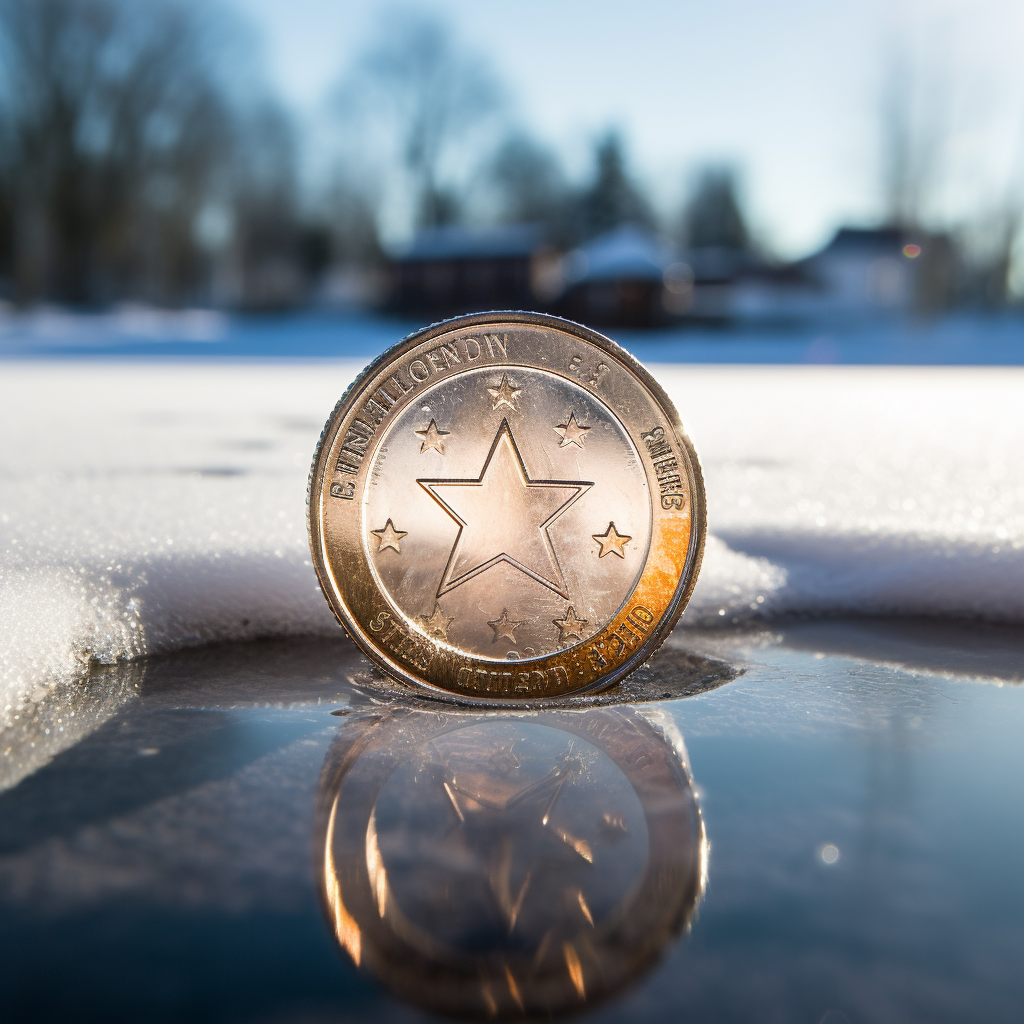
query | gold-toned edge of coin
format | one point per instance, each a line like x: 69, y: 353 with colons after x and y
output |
x: 435, y: 667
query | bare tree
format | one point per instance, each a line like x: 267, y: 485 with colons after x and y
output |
x: 7, y: 219
x: 1006, y: 233
x: 918, y: 116
x: 991, y: 242
x: 914, y: 125
x: 999, y: 267
x: 428, y: 96
x: 528, y: 182
x: 269, y: 238
x: 116, y: 128
x: 349, y: 208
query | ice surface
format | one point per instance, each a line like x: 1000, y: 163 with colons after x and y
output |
x: 964, y: 339
x: 146, y: 507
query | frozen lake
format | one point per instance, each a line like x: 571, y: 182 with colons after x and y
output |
x: 134, y: 332
x: 851, y: 661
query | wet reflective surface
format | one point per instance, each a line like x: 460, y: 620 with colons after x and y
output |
x: 208, y: 839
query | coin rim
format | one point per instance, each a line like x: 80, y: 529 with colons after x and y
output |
x: 698, y: 511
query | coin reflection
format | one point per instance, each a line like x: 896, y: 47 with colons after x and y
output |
x: 496, y: 866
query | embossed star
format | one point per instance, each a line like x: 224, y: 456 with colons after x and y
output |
x: 504, y: 516
x: 505, y: 627
x: 611, y: 541
x: 571, y: 432
x: 570, y: 626
x: 432, y: 438
x: 438, y: 623
x: 504, y: 394
x: 389, y: 537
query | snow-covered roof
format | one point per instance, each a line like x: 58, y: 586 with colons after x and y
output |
x: 628, y: 253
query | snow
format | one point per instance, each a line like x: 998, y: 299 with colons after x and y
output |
x: 146, y: 506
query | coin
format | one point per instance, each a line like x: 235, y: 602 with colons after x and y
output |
x: 507, y: 864
x: 505, y: 506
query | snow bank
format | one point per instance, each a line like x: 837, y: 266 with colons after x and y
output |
x: 148, y: 507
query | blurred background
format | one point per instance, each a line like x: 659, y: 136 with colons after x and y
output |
x: 213, y: 212
x: 815, y: 182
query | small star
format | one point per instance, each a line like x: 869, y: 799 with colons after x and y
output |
x: 505, y: 627
x: 389, y: 537
x: 438, y: 623
x: 611, y: 541
x: 572, y: 432
x: 504, y: 394
x: 432, y: 438
x: 570, y: 626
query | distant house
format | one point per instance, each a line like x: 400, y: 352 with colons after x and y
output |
x: 864, y: 269
x: 780, y: 293
x: 870, y: 271
x: 629, y: 278
x: 717, y: 273
x: 619, y: 279
x: 457, y: 269
x: 861, y: 273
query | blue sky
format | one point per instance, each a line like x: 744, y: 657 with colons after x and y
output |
x: 787, y: 90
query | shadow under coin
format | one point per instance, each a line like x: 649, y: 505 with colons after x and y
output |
x: 531, y: 863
